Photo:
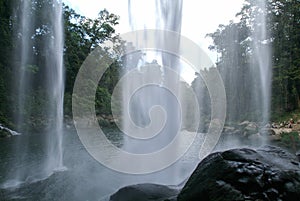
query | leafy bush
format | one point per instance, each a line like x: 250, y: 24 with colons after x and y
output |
x: 291, y: 141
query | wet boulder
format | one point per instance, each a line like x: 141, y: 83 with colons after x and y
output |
x: 145, y: 192
x: 268, y: 173
x: 298, y: 155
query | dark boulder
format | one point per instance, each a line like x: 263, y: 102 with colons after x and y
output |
x: 298, y: 155
x: 145, y: 192
x: 245, y: 174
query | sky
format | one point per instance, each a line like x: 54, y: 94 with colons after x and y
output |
x: 199, y: 17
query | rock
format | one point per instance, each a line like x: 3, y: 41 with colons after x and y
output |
x: 145, y: 192
x: 298, y: 155
x: 248, y: 128
x: 232, y: 133
x: 236, y: 132
x: 267, y: 126
x: 274, y: 125
x: 286, y: 130
x: 279, y: 131
x: 244, y: 123
x: 228, y: 129
x: 251, y: 127
x: 273, y: 138
x: 245, y: 174
x: 267, y: 131
x: 6, y: 132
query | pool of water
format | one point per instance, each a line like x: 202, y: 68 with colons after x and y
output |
x: 83, y: 179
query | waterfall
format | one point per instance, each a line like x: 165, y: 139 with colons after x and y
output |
x: 55, y: 87
x: 247, y: 72
x: 238, y: 73
x: 262, y: 59
x: 167, y: 17
x: 39, y: 83
x: 151, y: 115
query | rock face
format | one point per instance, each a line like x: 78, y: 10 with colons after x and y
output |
x: 244, y: 174
x: 145, y: 192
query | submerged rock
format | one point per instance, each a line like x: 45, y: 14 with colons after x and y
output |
x: 145, y: 192
x: 245, y: 174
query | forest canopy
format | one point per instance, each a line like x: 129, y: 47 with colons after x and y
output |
x: 83, y: 34
x: 233, y: 43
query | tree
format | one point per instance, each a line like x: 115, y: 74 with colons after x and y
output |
x: 233, y: 43
x: 286, y: 51
x: 6, y: 34
x: 82, y: 35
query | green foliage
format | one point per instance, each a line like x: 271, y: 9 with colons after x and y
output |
x: 203, y: 98
x: 82, y: 35
x: 232, y: 42
x: 286, y: 51
x: 291, y: 141
x: 285, y: 116
x: 5, y: 61
x: 102, y: 101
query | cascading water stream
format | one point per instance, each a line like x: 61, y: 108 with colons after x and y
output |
x: 151, y: 64
x: 247, y: 73
x: 159, y: 15
x: 45, y: 55
x: 262, y: 59
x: 167, y: 15
x: 55, y: 86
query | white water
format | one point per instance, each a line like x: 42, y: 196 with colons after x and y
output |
x: 163, y: 15
x: 153, y: 102
x: 167, y: 15
x: 12, y: 132
x: 262, y: 59
x: 29, y: 25
x: 248, y: 75
x: 55, y: 88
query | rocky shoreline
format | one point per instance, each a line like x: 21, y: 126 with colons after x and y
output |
x: 286, y: 135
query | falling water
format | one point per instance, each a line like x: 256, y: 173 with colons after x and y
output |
x: 55, y: 87
x: 38, y: 72
x: 254, y: 76
x: 151, y: 65
x: 162, y: 15
x: 262, y: 58
x: 246, y: 70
